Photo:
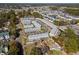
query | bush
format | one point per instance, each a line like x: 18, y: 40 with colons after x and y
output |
x: 54, y: 52
x: 72, y: 11
x: 37, y: 15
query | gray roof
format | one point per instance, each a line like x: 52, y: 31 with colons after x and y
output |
x: 32, y: 29
x: 38, y: 36
x: 25, y: 21
x: 4, y: 35
x: 54, y: 30
x: 36, y: 24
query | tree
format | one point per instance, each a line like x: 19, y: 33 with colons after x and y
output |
x: 72, y: 11
x: 13, y: 17
x: 13, y: 49
x: 10, y: 13
x: 54, y: 8
x: 54, y: 52
x: 1, y: 42
x: 29, y: 12
x: 36, y: 51
x: 12, y: 28
x: 60, y: 22
x: 70, y: 41
x: 78, y: 43
x: 3, y: 18
x: 19, y: 14
x: 37, y: 15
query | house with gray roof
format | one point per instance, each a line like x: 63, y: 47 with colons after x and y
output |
x: 30, y: 25
x: 4, y: 35
x: 38, y: 36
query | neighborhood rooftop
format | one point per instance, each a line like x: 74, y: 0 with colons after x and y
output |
x: 35, y: 26
x: 38, y: 36
x: 30, y: 26
x: 4, y: 35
